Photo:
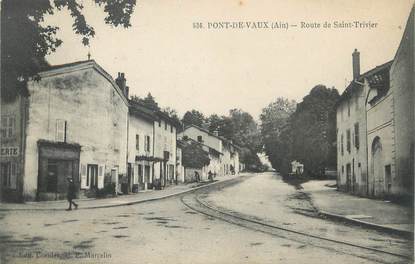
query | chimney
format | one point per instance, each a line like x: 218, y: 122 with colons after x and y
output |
x: 122, y: 83
x: 356, y: 64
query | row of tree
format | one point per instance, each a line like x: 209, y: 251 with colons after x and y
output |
x: 305, y: 132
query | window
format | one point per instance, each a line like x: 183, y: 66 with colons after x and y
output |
x: 171, y: 129
x: 8, y: 126
x: 341, y: 144
x: 137, y: 141
x: 9, y: 175
x: 147, y: 143
x: 61, y: 127
x: 159, y: 123
x: 348, y: 146
x: 356, y: 136
x: 199, y: 139
x: 165, y: 125
x: 342, y: 169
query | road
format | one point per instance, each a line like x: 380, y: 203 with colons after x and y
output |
x: 180, y: 230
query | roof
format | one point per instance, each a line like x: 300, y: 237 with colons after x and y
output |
x: 141, y: 111
x: 80, y: 65
x: 211, y: 150
x: 206, y: 131
x: 166, y: 117
x: 377, y: 77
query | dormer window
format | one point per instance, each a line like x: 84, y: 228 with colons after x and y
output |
x: 199, y: 139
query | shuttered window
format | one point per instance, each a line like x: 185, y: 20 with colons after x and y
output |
x: 60, y: 130
x: 9, y: 174
x: 356, y: 136
x: 137, y: 142
x: 8, y: 126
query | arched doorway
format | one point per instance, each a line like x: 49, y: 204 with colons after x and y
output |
x: 377, y: 167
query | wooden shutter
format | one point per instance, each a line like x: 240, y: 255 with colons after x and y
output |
x: 60, y: 130
x: 13, y: 176
x: 83, y: 177
x: 135, y: 173
x: 100, y: 177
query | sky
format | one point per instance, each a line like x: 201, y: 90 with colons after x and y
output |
x: 215, y: 70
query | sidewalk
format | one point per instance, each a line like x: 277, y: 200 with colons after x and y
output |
x: 121, y: 200
x: 382, y: 215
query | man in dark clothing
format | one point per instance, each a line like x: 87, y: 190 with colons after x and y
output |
x: 71, y: 194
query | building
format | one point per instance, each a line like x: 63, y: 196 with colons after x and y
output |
x: 223, y: 153
x: 140, y: 147
x: 375, y: 126
x: 165, y: 136
x: 352, y: 166
x: 56, y: 131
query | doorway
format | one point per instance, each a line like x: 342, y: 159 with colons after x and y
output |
x: 92, y: 176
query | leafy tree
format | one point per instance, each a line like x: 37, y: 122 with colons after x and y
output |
x: 194, y: 117
x: 193, y: 155
x: 25, y: 40
x: 149, y: 101
x: 276, y: 133
x: 172, y: 113
x: 313, y: 126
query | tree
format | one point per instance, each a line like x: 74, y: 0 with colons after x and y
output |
x: 171, y: 113
x: 149, y: 101
x: 194, y: 117
x: 26, y: 40
x: 193, y: 155
x: 276, y: 133
x: 314, y: 130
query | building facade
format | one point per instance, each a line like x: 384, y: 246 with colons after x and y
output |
x: 140, y: 161
x: 165, y: 136
x: 378, y: 106
x: 54, y: 142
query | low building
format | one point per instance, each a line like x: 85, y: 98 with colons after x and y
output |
x: 56, y: 131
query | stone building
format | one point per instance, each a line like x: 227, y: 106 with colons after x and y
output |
x: 375, y: 126
x: 165, y: 136
x: 223, y: 153
x: 56, y: 131
x: 140, y: 147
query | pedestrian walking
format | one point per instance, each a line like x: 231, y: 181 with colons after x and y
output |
x: 71, y: 194
x: 210, y: 176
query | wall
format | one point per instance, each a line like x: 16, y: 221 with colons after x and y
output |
x: 142, y: 127
x: 165, y: 140
x: 209, y: 140
x: 12, y: 149
x: 402, y: 84
x: 380, y: 124
x: 96, y: 115
x: 357, y: 156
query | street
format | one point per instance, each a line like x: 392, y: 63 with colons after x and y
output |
x: 168, y: 231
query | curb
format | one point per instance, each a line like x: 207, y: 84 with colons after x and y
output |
x: 378, y: 227
x: 126, y: 203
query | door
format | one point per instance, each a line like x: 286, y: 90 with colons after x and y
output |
x: 377, y: 167
x: 92, y: 176
x: 348, y: 177
x: 52, y: 177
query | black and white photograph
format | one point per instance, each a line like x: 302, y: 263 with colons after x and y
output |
x: 207, y: 132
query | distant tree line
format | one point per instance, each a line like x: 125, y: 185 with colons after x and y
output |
x: 305, y: 132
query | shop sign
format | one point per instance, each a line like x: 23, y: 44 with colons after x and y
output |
x: 9, y: 151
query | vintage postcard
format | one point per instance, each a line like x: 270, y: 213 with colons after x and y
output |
x: 224, y: 131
